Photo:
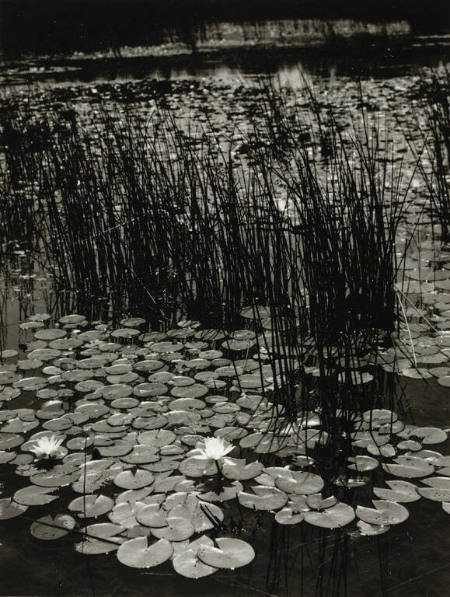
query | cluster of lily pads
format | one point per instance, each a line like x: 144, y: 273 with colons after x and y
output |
x: 153, y: 433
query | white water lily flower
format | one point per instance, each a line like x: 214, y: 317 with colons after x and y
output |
x: 46, y: 447
x: 216, y: 448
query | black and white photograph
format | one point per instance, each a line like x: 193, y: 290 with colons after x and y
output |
x: 224, y: 298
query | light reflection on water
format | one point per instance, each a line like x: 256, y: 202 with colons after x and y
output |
x: 379, y: 58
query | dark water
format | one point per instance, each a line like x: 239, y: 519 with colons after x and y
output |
x: 411, y: 560
x: 379, y: 57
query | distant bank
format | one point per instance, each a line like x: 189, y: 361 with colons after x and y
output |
x: 66, y: 26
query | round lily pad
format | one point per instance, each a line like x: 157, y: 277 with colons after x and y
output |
x: 34, y: 495
x: 409, y: 467
x: 50, y: 334
x: 334, y: 517
x: 50, y: 527
x: 287, y: 516
x: 384, y: 513
x: 230, y: 553
x: 10, y: 509
x: 91, y: 505
x: 138, y: 553
x: 188, y: 564
x: 400, y: 491
x: 264, y: 498
x: 137, y: 480
x: 300, y: 483
x: 177, y: 529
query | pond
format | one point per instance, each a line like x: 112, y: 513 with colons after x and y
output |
x: 225, y: 324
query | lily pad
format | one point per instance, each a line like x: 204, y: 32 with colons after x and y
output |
x: 178, y: 529
x: 50, y: 527
x: 35, y: 496
x: 264, y: 498
x: 384, y: 513
x: 91, y: 505
x: 9, y: 509
x: 134, y: 480
x: 400, y: 491
x: 231, y: 554
x: 370, y: 530
x: 188, y: 564
x: 300, y: 483
x: 287, y: 516
x: 138, y: 553
x: 409, y: 467
x: 331, y: 518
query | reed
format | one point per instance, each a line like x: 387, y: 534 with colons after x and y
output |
x: 162, y: 220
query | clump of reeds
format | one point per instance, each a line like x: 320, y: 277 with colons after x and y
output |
x: 160, y: 220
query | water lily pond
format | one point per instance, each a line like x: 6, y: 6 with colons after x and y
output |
x: 224, y: 336
x: 165, y: 452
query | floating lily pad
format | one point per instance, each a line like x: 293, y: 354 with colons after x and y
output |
x: 30, y: 384
x: 384, y: 513
x: 50, y: 334
x: 158, y: 438
x: 177, y: 529
x: 125, y: 513
x: 198, y: 466
x: 287, y: 516
x: 363, y: 464
x: 93, y: 547
x: 438, y: 490
x: 264, y: 498
x: 133, y: 480
x: 10, y: 509
x: 91, y: 505
x: 430, y: 435
x: 300, y: 483
x: 231, y: 553
x: 372, y: 529
x: 239, y: 470
x: 409, y: 467
x: 188, y: 564
x: 49, y: 528
x: 400, y: 491
x: 138, y: 553
x: 8, y: 441
x: 334, y: 517
x: 35, y: 496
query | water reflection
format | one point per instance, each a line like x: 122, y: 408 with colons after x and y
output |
x: 377, y: 57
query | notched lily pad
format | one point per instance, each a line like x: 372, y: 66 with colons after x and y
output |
x: 231, y: 553
x: 138, y: 553
x: 384, y: 513
x: 264, y: 498
x: 91, y: 505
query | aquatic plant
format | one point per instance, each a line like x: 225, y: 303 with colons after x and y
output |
x: 47, y: 447
x: 215, y: 448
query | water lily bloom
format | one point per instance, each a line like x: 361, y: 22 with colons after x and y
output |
x: 216, y: 448
x: 47, y: 447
